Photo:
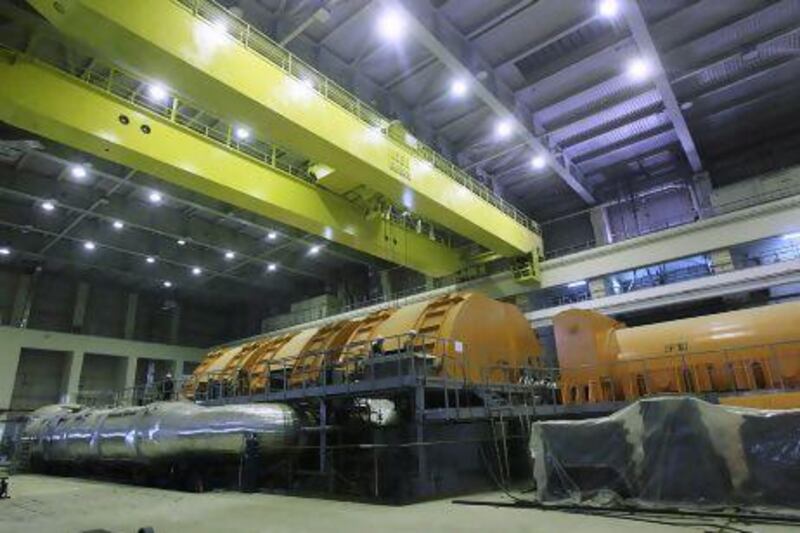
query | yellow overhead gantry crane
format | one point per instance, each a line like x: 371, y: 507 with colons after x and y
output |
x: 104, y: 115
x: 200, y: 50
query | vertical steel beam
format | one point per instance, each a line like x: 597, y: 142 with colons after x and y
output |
x: 79, y: 311
x: 643, y: 39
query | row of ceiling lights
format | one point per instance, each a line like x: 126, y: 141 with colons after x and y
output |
x: 391, y: 25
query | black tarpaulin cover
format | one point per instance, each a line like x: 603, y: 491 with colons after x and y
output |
x: 672, y: 450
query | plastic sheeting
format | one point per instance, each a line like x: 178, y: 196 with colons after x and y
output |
x: 675, y: 450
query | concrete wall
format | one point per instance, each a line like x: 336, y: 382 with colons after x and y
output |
x: 30, y: 375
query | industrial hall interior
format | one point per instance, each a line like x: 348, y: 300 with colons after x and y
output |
x: 399, y: 265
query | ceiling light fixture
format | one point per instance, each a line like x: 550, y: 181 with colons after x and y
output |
x: 181, y: 242
x: 78, y: 171
x: 229, y: 255
x: 576, y: 284
x: 118, y: 224
x: 5, y: 251
x: 458, y: 88
x: 538, y: 162
x: 196, y: 271
x: 503, y: 128
x: 392, y: 25
x: 89, y: 245
x: 638, y: 69
x: 272, y: 235
x: 155, y: 197
x: 150, y: 259
x: 272, y: 267
x: 314, y: 250
x: 48, y: 205
x: 608, y: 8
x: 167, y: 284
x: 157, y: 92
x: 241, y: 133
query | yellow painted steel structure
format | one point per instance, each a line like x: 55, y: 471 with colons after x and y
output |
x: 753, y: 350
x: 201, y: 51
x: 84, y: 115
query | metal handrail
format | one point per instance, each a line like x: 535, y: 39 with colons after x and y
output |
x: 252, y: 39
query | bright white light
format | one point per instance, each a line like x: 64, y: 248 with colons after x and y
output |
x: 608, y: 8
x: 89, y: 245
x: 792, y: 236
x: 374, y: 135
x: 212, y: 34
x: 167, y: 284
x: 118, y: 224
x: 196, y: 271
x: 150, y: 259
x: 538, y: 162
x: 155, y: 197
x: 314, y: 250
x: 272, y: 267
x: 392, y: 25
x: 272, y: 235
x: 157, y: 92
x: 458, y: 88
x: 5, y: 251
x: 78, y: 171
x: 242, y: 133
x: 48, y: 205
x: 503, y: 128
x: 229, y: 255
x: 575, y: 284
x: 181, y: 242
x: 638, y: 69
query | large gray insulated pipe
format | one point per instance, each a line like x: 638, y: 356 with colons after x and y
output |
x: 162, y: 431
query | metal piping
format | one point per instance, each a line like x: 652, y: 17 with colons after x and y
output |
x: 159, y: 432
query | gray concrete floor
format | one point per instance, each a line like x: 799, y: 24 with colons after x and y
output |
x: 65, y: 505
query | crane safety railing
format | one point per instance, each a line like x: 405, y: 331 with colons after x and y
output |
x: 224, y: 22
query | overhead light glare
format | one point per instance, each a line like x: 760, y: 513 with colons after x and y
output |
x: 157, y: 92
x: 5, y: 251
x: 229, y: 255
x: 181, y: 242
x: 538, y: 162
x: 272, y: 267
x: 155, y: 197
x: 167, y: 284
x: 196, y: 271
x: 576, y: 284
x: 503, y: 128
x: 150, y: 259
x: 78, y: 171
x: 392, y: 25
x: 638, y: 69
x: 242, y: 133
x: 458, y: 88
x: 118, y: 224
x: 272, y: 235
x: 89, y: 245
x: 48, y: 205
x: 608, y: 8
x: 314, y: 250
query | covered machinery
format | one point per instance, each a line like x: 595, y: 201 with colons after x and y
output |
x: 461, y: 336
x: 747, y: 350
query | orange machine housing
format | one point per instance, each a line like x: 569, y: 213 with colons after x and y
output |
x: 465, y: 335
x: 747, y: 350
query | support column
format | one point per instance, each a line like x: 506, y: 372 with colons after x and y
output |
x: 10, y: 353
x: 175, y: 324
x: 597, y: 288
x: 70, y: 385
x: 79, y: 312
x: 386, y: 285
x: 130, y: 315
x: 19, y: 312
x: 599, y: 220
x: 720, y: 261
x: 129, y: 394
